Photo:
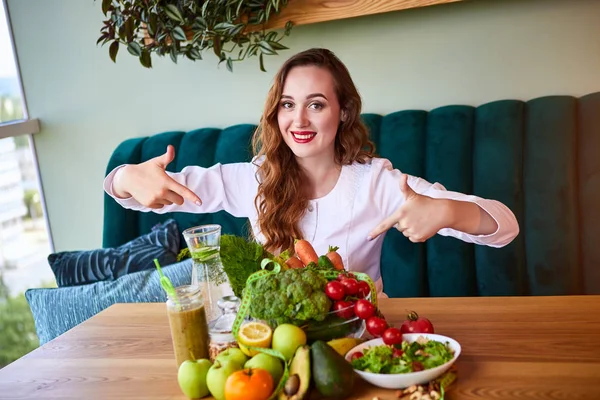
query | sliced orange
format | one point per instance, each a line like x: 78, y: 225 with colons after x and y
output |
x: 255, y: 334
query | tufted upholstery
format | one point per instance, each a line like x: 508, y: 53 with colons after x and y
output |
x: 541, y: 158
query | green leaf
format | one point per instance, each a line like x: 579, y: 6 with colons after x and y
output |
x: 199, y: 24
x: 236, y: 30
x: 145, y: 59
x: 288, y: 28
x: 113, y: 50
x: 239, y: 7
x: 266, y: 47
x: 268, y: 11
x: 205, y: 7
x: 262, y: 63
x: 173, y: 55
x: 261, y: 16
x: 277, y: 45
x: 152, y: 21
x: 253, y: 49
x: 179, y: 34
x: 105, y: 6
x: 195, y: 54
x: 104, y: 36
x: 222, y: 26
x: 134, y: 48
x: 270, y: 36
x: 173, y: 12
x: 229, y: 64
x: 129, y: 29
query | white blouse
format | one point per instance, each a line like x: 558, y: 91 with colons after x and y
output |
x: 364, y: 195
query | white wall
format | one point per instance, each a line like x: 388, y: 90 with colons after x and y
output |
x: 470, y: 53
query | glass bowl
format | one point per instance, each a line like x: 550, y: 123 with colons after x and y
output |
x: 335, y: 327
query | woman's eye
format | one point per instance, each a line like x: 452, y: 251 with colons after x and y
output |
x: 287, y: 105
x: 316, y: 106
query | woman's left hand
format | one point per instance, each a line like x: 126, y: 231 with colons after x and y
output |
x: 418, y: 218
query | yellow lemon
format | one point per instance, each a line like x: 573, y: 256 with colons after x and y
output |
x: 255, y: 334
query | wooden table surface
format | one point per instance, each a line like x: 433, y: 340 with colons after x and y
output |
x: 512, y: 348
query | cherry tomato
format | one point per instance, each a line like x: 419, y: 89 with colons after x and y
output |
x: 364, y: 309
x: 351, y: 286
x: 397, y: 352
x: 335, y: 290
x: 416, y: 324
x: 356, y: 355
x: 345, y: 275
x: 392, y: 336
x: 344, y: 309
x: 363, y: 289
x: 376, y: 326
x: 249, y: 384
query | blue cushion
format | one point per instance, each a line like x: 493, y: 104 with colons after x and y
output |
x: 57, y: 310
x: 83, y: 267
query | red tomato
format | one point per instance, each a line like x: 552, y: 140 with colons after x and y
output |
x: 397, y: 353
x: 416, y: 324
x: 363, y: 289
x: 356, y: 355
x: 335, y: 290
x: 376, y: 326
x: 364, y: 309
x: 351, y: 286
x: 344, y: 309
x: 345, y: 275
x: 392, y: 336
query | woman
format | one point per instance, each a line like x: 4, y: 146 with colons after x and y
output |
x: 315, y: 177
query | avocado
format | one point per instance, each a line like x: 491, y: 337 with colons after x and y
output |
x: 332, y: 374
x: 298, y: 384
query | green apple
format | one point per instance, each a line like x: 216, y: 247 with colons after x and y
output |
x: 287, y: 338
x: 217, y: 376
x: 270, y: 363
x: 192, y: 378
x: 232, y: 354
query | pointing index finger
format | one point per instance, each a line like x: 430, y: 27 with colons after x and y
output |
x: 383, y: 226
x: 186, y: 193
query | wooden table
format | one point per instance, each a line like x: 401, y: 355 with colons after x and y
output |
x: 513, y: 348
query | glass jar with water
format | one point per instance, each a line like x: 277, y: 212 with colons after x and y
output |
x: 207, y: 270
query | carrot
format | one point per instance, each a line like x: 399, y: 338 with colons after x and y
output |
x: 335, y: 258
x: 294, y: 262
x: 306, y: 253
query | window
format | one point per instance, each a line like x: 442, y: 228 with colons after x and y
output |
x: 24, y: 236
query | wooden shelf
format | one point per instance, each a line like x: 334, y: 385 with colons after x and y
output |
x: 303, y: 12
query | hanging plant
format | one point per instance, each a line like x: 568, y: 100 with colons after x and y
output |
x: 233, y: 29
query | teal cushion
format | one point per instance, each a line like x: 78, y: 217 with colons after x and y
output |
x: 75, y: 304
x: 82, y: 267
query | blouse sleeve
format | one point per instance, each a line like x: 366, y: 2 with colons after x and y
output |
x: 386, y: 188
x: 228, y: 187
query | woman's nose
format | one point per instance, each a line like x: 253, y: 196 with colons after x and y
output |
x: 301, y: 118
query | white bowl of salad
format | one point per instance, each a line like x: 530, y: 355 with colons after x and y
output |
x: 421, y: 358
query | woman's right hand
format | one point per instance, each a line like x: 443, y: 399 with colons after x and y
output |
x: 150, y: 185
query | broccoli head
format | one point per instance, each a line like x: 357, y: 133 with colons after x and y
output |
x: 291, y: 296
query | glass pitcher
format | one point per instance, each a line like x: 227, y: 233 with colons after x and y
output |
x: 207, y: 270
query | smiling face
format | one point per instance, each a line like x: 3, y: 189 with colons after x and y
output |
x: 309, y: 112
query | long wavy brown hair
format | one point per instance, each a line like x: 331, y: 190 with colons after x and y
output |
x: 282, y: 199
